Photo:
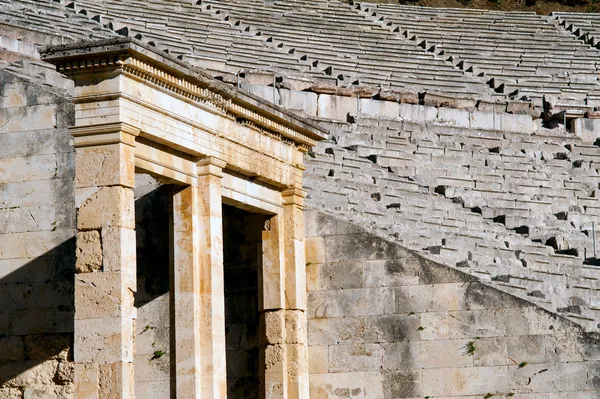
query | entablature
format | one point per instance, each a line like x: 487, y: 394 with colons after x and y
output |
x: 179, y: 109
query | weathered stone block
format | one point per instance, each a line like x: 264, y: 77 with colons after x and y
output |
x: 107, y: 207
x: 353, y: 302
x: 274, y: 327
x: 118, y: 248
x: 299, y: 100
x: 336, y: 107
x: 295, y: 327
x: 315, y: 250
x: 430, y: 298
x: 87, y: 377
x: 465, y: 381
x: 106, y: 165
x: 392, y: 272
x: 104, y: 340
x: 318, y: 359
x: 340, y: 275
x: 355, y: 357
x: 457, y: 117
x: 50, y: 346
x: 104, y: 294
x: 418, y: 113
x: 331, y: 331
x: 11, y: 349
x: 297, y: 359
x: 587, y: 129
x: 89, y: 252
x: 34, y: 373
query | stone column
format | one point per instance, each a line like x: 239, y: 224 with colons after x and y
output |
x: 273, y: 367
x: 186, y: 291
x: 105, y: 278
x: 295, y: 293
x: 212, y: 294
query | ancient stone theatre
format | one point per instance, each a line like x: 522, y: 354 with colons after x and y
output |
x: 297, y: 199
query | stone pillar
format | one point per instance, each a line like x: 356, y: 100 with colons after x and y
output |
x: 295, y: 293
x: 186, y: 291
x: 105, y: 278
x: 212, y: 294
x: 273, y: 365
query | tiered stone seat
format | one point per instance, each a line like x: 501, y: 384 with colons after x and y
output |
x: 519, y: 53
x: 58, y: 23
x: 511, y: 208
x: 345, y: 44
x: 186, y: 31
x: 585, y: 26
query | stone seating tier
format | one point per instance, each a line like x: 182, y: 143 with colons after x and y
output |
x: 514, y: 209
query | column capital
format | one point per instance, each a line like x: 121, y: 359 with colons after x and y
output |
x: 110, y: 133
x: 211, y: 166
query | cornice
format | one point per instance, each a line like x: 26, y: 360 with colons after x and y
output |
x: 135, y: 59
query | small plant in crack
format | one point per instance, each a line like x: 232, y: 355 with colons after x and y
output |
x: 470, y: 348
x: 147, y: 328
x: 157, y: 354
x: 522, y: 364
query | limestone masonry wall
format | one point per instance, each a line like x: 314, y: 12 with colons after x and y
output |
x: 514, y: 208
x: 385, y: 322
x: 37, y: 251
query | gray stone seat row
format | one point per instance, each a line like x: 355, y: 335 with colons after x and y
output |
x: 395, y: 198
x: 450, y: 32
x: 52, y: 19
x: 195, y: 36
x: 343, y: 34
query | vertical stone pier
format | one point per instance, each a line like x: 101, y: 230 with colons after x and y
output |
x: 295, y: 293
x: 273, y: 356
x: 212, y: 292
x: 105, y: 278
x: 186, y: 291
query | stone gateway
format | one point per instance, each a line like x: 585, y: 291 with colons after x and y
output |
x: 297, y: 199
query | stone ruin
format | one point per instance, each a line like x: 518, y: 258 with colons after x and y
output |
x: 297, y: 199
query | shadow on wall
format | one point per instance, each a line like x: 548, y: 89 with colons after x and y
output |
x: 36, y: 324
x: 37, y: 307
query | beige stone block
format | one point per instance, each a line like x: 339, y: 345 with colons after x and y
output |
x: 295, y: 275
x: 104, y: 340
x: 104, y: 294
x: 462, y: 381
x: 274, y: 360
x: 295, y: 327
x: 315, y: 250
x: 107, y: 207
x: 275, y: 373
x: 116, y: 380
x: 297, y: 359
x: 105, y: 165
x: 83, y: 194
x: 49, y: 392
x: 274, y: 330
x: 298, y: 386
x: 11, y: 393
x: 118, y: 248
x: 318, y: 359
x: 273, y: 268
x: 32, y: 373
x: 89, y: 252
x: 13, y: 246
